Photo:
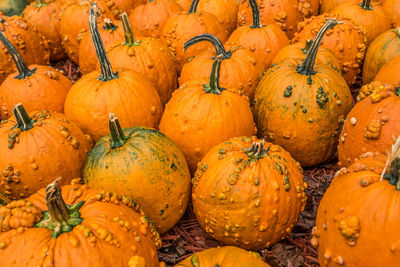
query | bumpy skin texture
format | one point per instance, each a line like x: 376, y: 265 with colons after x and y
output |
x: 149, y: 168
x: 46, y: 89
x: 392, y: 8
x: 120, y: 6
x: 224, y: 257
x: 226, y: 11
x: 388, y: 74
x: 347, y: 41
x: 247, y: 201
x: 371, y: 124
x: 112, y: 225
x: 356, y: 205
x: 385, y: 47
x: 308, y: 8
x: 29, y: 160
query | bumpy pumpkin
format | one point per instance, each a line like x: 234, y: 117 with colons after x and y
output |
x: 144, y: 164
x: 35, y: 148
x: 76, y: 226
x: 238, y: 68
x: 127, y: 93
x: 301, y: 105
x: 389, y: 72
x: 223, y: 257
x: 347, y: 41
x: 371, y: 124
x: 263, y: 41
x: 392, y: 8
x: 148, y: 56
x: 201, y: 115
x: 248, y: 193
x: 226, y: 11
x: 308, y: 8
x: 37, y: 87
x: 183, y: 26
x: 357, y: 204
x: 13, y: 7
x: 120, y: 6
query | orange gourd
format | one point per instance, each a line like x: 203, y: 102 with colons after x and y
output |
x: 388, y: 73
x: 392, y: 8
x: 185, y: 4
x: 309, y: 8
x: 226, y: 11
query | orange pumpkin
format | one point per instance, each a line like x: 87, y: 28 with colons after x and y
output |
x: 36, y: 147
x: 301, y: 105
x: 127, y: 93
x: 120, y: 6
x: 226, y: 11
x: 201, y: 115
x: 392, y: 8
x: 327, y: 5
x: 37, y: 87
x: 264, y: 41
x: 76, y: 226
x: 388, y: 73
x: 148, y: 56
x: 185, y: 4
x: 308, y: 8
x: 248, y: 193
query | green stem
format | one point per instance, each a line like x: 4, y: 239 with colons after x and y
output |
x: 107, y: 73
x: 219, y: 47
x: 213, y: 87
x: 129, y: 37
x: 256, y: 14
x: 307, y: 46
x: 24, y: 122
x: 40, y: 3
x: 256, y: 150
x: 109, y: 25
x: 193, y: 6
x: 118, y: 137
x: 366, y: 5
x: 23, y: 70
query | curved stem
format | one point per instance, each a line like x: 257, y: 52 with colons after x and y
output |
x: 256, y: 14
x: 219, y: 47
x: 129, y: 37
x: 193, y: 6
x: 22, y: 68
x: 24, y: 122
x: 118, y: 137
x: 109, y: 25
x: 366, y: 5
x: 107, y: 73
x: 213, y: 87
x: 256, y: 150
x: 307, y: 68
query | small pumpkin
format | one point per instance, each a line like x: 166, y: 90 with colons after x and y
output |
x: 392, y: 8
x: 264, y: 41
x: 12, y: 7
x: 37, y: 87
x: 226, y: 11
x: 201, y: 115
x: 127, y: 93
x: 248, y: 193
x: 223, y: 257
x: 76, y: 226
x: 388, y: 73
x: 36, y: 147
x: 301, y: 105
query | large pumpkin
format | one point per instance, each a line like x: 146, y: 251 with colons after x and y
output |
x: 35, y: 148
x: 248, y: 193
x: 127, y: 93
x: 76, y: 226
x: 226, y: 11
x: 389, y: 72
x: 201, y: 115
x: 301, y: 105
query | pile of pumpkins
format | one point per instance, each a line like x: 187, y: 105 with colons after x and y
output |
x: 251, y: 109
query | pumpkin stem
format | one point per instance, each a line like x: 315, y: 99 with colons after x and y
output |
x: 129, y: 37
x: 307, y: 46
x: 256, y: 14
x: 256, y: 150
x: 397, y: 32
x: 24, y: 122
x: 118, y: 137
x: 109, y: 25
x: 60, y: 217
x: 394, y: 161
x: 40, y: 3
x: 23, y: 70
x: 219, y: 47
x: 307, y: 68
x: 107, y: 73
x: 366, y: 5
x: 213, y: 87
x: 193, y: 6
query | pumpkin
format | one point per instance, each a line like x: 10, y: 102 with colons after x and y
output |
x: 183, y: 26
x: 248, y: 193
x: 120, y: 6
x: 308, y: 8
x: 283, y: 13
x: 392, y: 8
x: 300, y: 50
x: 238, y: 68
x: 74, y: 23
x: 36, y: 147
x: 388, y: 73
x: 301, y: 105
x: 371, y: 124
x: 327, y: 5
x: 357, y: 203
x: 110, y: 32
x: 370, y: 16
x: 226, y: 11
x: 223, y: 257
x: 144, y: 164
x: 185, y: 4
x: 149, y: 19
x: 385, y: 47
x: 127, y: 93
x: 148, y: 56
x: 200, y: 116
x: 347, y: 41
x: 263, y: 41
x: 37, y: 87
x: 76, y: 226
x: 12, y: 7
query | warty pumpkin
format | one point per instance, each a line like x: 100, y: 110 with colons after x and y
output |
x: 248, y: 193
x: 226, y: 11
x: 201, y: 115
x: 357, y: 220
x: 144, y: 164
x: 389, y: 72
x: 392, y: 8
x: 36, y: 147
x: 301, y: 105
x: 308, y: 8
x: 37, y: 87
x: 120, y: 6
x: 76, y: 226
x: 148, y: 56
x: 127, y: 93
x: 238, y: 68
x: 263, y: 41
x: 13, y: 7
x: 227, y: 256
